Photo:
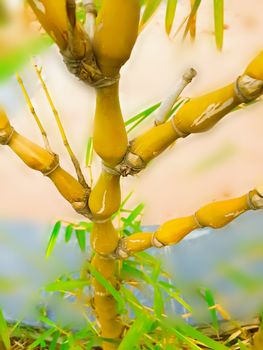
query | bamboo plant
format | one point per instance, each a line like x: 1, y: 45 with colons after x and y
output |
x: 95, y: 56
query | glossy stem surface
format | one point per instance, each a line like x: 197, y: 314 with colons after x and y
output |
x: 215, y: 215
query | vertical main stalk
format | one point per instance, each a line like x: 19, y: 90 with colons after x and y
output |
x: 115, y: 34
x: 110, y: 143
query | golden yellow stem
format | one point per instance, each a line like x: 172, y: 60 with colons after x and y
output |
x: 104, y: 240
x: 47, y: 163
x: 61, y: 129
x: 52, y: 15
x: 110, y: 137
x: 201, y: 113
x: 33, y: 112
x: 213, y: 215
x: 105, y: 197
x: 255, y: 68
x: 115, y: 34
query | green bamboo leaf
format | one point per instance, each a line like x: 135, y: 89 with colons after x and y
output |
x: 107, y: 285
x: 66, y: 286
x: 209, y: 298
x: 68, y: 233
x: 150, y: 8
x: 134, y: 214
x: 41, y: 339
x: 90, y: 152
x: 141, y: 326
x: 173, y: 293
x: 170, y: 14
x: 145, y: 113
x: 185, y: 339
x: 192, y: 16
x: 219, y: 22
x: 81, y: 237
x: 53, y: 238
x: 53, y: 344
x: 4, y: 333
x: 196, y: 334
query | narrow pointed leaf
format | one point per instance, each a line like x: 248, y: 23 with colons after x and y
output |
x: 192, y: 16
x: 132, y: 339
x: 81, y: 237
x: 145, y: 112
x: 53, y: 344
x: 219, y: 22
x: 150, y: 8
x: 66, y: 286
x: 170, y: 14
x: 4, y: 333
x: 89, y: 153
x: 68, y: 233
x: 209, y: 298
x: 42, y: 338
x: 53, y: 238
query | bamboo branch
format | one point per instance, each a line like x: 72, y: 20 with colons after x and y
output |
x: 58, y: 18
x: 91, y: 14
x: 47, y: 163
x: 61, y: 130
x: 215, y: 215
x: 33, y: 112
x: 197, y: 115
x: 162, y: 114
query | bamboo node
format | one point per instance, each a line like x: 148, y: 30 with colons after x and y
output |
x: 179, y: 132
x: 197, y: 221
x: 122, y: 251
x: 6, y: 135
x: 255, y: 200
x: 81, y: 206
x: 248, y: 88
x: 132, y: 164
x: 91, y: 8
x: 112, y: 171
x: 52, y: 166
x: 155, y: 242
x: 86, y: 69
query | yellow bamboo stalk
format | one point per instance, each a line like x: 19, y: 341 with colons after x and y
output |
x: 104, y: 241
x: 52, y: 15
x: 105, y: 197
x: 110, y: 137
x: 116, y: 31
x: 115, y: 34
x: 255, y: 68
x: 47, y: 163
x: 198, y: 115
x: 215, y: 215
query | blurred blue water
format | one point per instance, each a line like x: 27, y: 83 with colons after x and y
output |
x: 206, y: 258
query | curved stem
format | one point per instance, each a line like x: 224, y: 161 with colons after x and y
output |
x: 215, y: 215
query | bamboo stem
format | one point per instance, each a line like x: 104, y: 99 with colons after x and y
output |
x: 74, y: 159
x: 33, y: 112
x: 162, y: 114
x: 197, y: 115
x: 111, y: 145
x: 215, y: 215
x: 47, y: 163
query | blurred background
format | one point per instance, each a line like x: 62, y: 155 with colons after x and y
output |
x: 222, y: 163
